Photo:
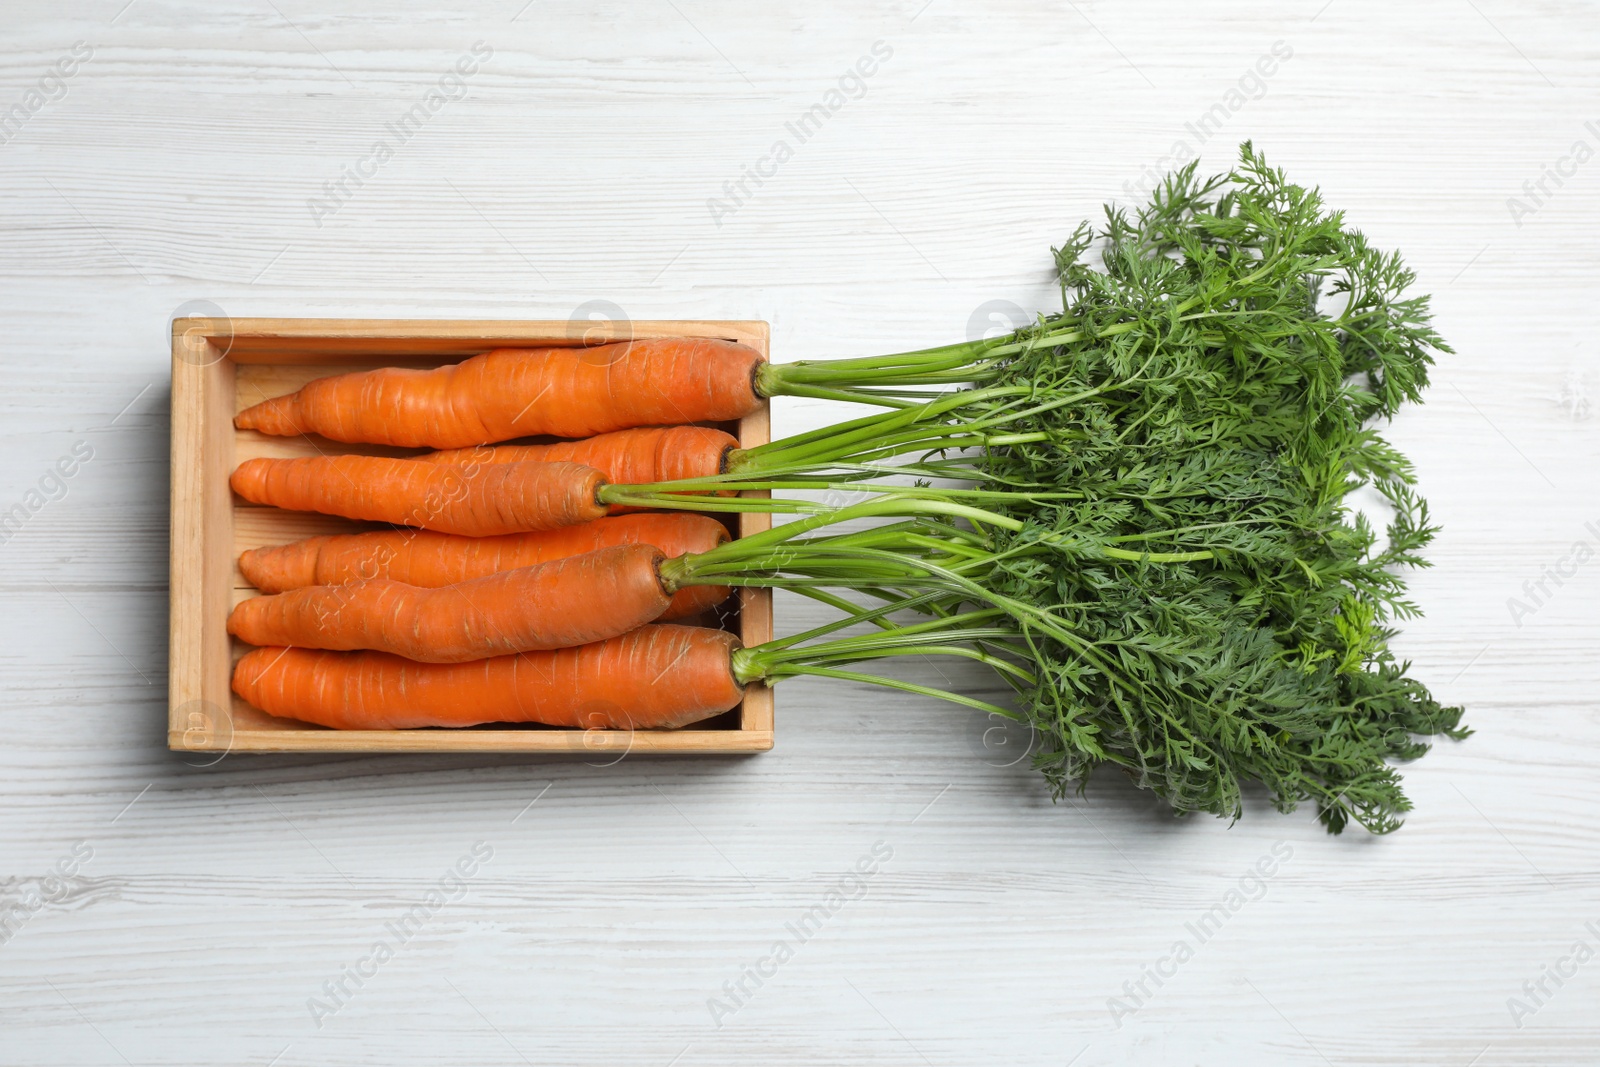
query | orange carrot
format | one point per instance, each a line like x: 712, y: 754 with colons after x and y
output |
x: 477, y: 501
x: 418, y: 557
x: 626, y: 457
x: 511, y: 392
x: 656, y: 676
x: 566, y: 602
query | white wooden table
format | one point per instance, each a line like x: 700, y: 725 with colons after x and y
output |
x: 229, y: 914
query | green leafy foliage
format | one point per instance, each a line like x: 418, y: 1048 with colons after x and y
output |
x: 1170, y: 563
x: 1233, y: 411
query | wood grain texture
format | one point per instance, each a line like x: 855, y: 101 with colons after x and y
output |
x: 577, y: 169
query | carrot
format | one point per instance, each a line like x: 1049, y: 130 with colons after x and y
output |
x: 627, y: 457
x: 477, y: 501
x: 656, y: 676
x: 511, y: 392
x: 565, y: 602
x: 418, y: 557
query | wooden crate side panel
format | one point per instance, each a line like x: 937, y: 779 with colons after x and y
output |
x: 755, y: 605
x: 315, y: 341
x: 186, y: 577
x: 606, y: 745
x: 200, y: 547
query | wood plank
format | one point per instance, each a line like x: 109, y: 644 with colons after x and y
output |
x: 201, y: 523
x: 314, y: 341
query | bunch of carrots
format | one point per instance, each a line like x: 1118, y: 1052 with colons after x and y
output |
x: 1133, y: 511
x: 518, y: 583
x: 507, y: 590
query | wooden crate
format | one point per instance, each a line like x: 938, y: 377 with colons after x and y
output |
x: 222, y: 366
